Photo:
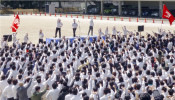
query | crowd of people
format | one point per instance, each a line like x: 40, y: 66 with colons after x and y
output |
x: 120, y: 67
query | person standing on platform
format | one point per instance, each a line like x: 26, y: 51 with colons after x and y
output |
x: 58, y: 28
x: 74, y: 27
x: 14, y: 38
x: 26, y: 38
x: 91, y: 27
x: 106, y: 32
x: 41, y: 36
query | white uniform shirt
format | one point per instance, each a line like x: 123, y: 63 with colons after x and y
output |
x: 14, y: 88
x: 74, y: 25
x: 8, y: 92
x: 59, y: 24
x: 91, y: 23
x: 3, y: 84
x: 41, y: 35
x: 114, y: 32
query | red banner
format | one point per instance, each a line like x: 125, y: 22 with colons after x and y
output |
x: 167, y: 14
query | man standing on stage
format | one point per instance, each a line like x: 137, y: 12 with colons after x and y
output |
x: 74, y: 27
x: 58, y: 28
x: 91, y: 27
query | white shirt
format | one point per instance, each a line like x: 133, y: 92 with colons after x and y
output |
x: 91, y: 23
x: 53, y: 94
x: 59, y: 24
x: 13, y: 74
x: 14, y: 88
x: 75, y: 97
x: 41, y: 35
x: 8, y: 92
x: 3, y: 84
x: 114, y: 32
x: 68, y: 97
x: 74, y: 25
x: 104, y: 97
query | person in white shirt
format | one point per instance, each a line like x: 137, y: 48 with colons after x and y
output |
x: 106, y: 32
x: 74, y: 27
x: 3, y: 84
x: 100, y: 33
x: 14, y: 37
x: 91, y: 27
x: 53, y: 93
x: 8, y: 92
x: 114, y: 32
x: 14, y: 88
x: 125, y: 31
x: 58, y: 28
x: 26, y: 38
x: 41, y: 36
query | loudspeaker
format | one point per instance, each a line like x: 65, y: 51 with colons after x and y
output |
x: 9, y: 37
x: 141, y: 28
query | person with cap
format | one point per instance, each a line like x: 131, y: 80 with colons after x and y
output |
x: 41, y: 36
x: 91, y: 26
x: 58, y: 28
x: 22, y: 91
x: 74, y: 27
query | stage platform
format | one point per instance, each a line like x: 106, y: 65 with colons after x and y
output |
x: 48, y: 40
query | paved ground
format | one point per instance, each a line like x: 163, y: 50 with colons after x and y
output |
x: 32, y: 24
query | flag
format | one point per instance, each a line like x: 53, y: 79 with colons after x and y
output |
x: 15, y: 23
x: 167, y: 14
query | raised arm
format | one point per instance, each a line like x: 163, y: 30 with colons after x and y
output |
x: 28, y: 84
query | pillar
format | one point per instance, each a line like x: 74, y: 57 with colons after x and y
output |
x: 85, y: 6
x: 160, y: 8
x: 102, y: 7
x: 60, y: 6
x: 139, y: 8
x: 119, y: 8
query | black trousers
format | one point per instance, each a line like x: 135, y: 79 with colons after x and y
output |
x: 10, y: 98
x: 74, y: 30
x: 58, y: 29
x: 90, y: 29
x: 40, y: 40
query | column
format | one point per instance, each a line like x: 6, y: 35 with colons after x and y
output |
x: 139, y: 8
x: 102, y: 7
x: 85, y: 6
x: 119, y: 8
x: 160, y: 8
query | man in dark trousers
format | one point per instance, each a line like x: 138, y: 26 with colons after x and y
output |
x: 58, y: 28
x: 74, y: 27
x: 22, y: 91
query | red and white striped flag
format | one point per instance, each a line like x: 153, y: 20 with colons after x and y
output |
x: 15, y: 23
